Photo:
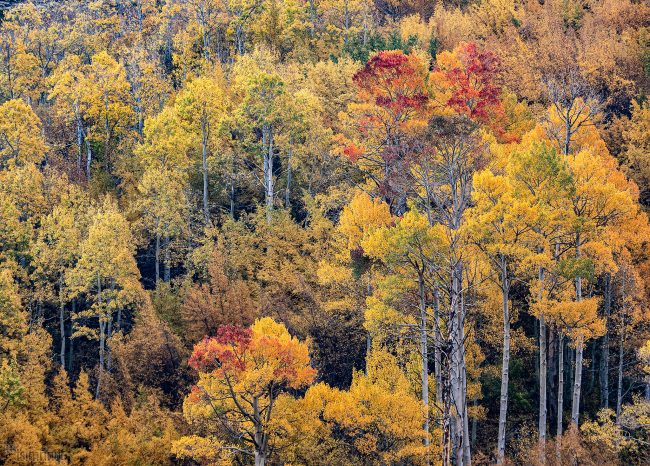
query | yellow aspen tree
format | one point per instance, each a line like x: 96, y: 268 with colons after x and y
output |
x: 106, y: 273
x: 501, y: 226
x: 201, y: 107
x: 21, y: 138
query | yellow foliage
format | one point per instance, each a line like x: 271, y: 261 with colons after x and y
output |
x: 362, y: 215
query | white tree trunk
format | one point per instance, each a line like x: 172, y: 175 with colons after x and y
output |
x: 604, y: 357
x: 268, y: 173
x: 619, y: 387
x: 204, y: 168
x: 505, y: 364
x: 560, y: 392
x: 577, y: 379
x: 424, y: 354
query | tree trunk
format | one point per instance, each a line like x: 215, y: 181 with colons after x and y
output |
x: 80, y: 142
x: 424, y: 354
x: 204, y: 167
x: 604, y: 358
x: 260, y: 458
x: 577, y: 383
x: 577, y: 379
x: 542, y: 377
x: 62, y: 330
x: 542, y: 388
x: 560, y: 391
x: 89, y: 159
x: 436, y: 346
x: 102, y: 338
x: 102, y: 342
x: 157, y: 268
x: 268, y: 174
x: 259, y: 435
x: 457, y: 349
x: 619, y: 386
x: 232, y: 196
x: 505, y: 364
x: 287, y: 192
x: 71, y: 345
x: 551, y: 377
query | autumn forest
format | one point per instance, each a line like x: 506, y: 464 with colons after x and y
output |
x: 324, y: 232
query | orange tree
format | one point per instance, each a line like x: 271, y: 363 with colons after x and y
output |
x: 241, y: 373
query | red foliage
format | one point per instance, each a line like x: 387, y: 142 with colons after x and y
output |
x: 224, y: 350
x: 352, y: 152
x: 474, y: 89
x: 393, y: 81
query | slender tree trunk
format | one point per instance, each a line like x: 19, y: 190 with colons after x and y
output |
x: 232, y: 196
x: 157, y: 268
x: 592, y: 366
x: 71, y: 345
x: 577, y: 383
x: 62, y: 330
x: 551, y: 378
x: 542, y: 388
x: 542, y: 376
x: 424, y: 354
x: 287, y: 192
x: 467, y: 454
x: 204, y: 168
x: 619, y: 386
x: 102, y: 338
x: 436, y: 346
x: 260, y: 458
x: 260, y: 441
x: 80, y: 142
x: 109, y: 333
x: 560, y: 391
x: 102, y: 342
x: 577, y: 379
x: 89, y: 159
x: 505, y: 363
x: 268, y: 175
x: 107, y: 141
x: 604, y: 358
x: 474, y: 423
x: 457, y: 347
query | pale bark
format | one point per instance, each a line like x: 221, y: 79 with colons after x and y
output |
x: 436, y: 347
x: 102, y: 338
x: 157, y: 261
x: 260, y: 437
x: 424, y: 354
x: 71, y: 345
x: 505, y: 363
x: 577, y: 383
x: 604, y: 358
x: 577, y: 379
x: 204, y: 166
x: 267, y: 144
x: 560, y: 391
x: 62, y: 330
x: 621, y: 352
x: 287, y: 192
x: 542, y: 377
x: 457, y: 362
x: 619, y: 386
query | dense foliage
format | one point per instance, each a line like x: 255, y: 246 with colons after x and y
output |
x: 336, y: 232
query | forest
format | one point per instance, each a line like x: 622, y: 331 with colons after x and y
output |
x: 324, y: 232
